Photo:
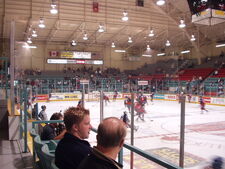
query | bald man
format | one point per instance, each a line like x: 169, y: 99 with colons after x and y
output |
x: 110, y: 139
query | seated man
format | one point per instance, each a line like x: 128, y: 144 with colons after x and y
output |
x: 72, y: 149
x: 50, y: 130
x: 110, y: 139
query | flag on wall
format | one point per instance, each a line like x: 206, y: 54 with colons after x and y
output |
x: 53, y: 53
x: 95, y: 6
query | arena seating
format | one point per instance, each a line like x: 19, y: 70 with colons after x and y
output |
x: 189, y: 74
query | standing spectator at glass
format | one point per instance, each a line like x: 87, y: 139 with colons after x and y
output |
x: 53, y: 131
x: 72, y: 149
x: 110, y: 139
x: 43, y: 115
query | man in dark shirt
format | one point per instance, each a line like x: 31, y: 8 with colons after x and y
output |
x: 110, y: 139
x: 72, y: 149
x: 49, y: 130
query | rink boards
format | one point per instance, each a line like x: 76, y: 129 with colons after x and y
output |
x: 95, y: 96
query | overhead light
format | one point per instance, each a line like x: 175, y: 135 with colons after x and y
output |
x: 113, y: 45
x: 168, y: 43
x: 151, y: 33
x: 220, y: 45
x: 185, y: 51
x: 193, y: 38
x: 182, y: 24
x: 27, y: 46
x: 53, y: 10
x: 146, y: 55
x: 129, y: 39
x: 160, y: 2
x: 160, y: 54
x: 120, y: 51
x: 148, y: 47
x: 34, y: 33
x: 101, y: 28
x: 125, y: 16
x: 29, y: 40
x: 41, y: 24
x: 73, y: 43
x: 85, y: 36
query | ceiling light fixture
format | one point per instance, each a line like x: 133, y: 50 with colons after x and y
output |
x: 29, y: 40
x: 85, y: 36
x: 185, y: 51
x: 182, y: 24
x: 101, y: 28
x: 148, y: 47
x: 73, y: 43
x: 53, y: 10
x: 27, y: 46
x: 193, y: 38
x: 160, y: 54
x: 146, y: 55
x: 129, y: 40
x: 120, y: 51
x: 220, y: 45
x: 151, y: 33
x: 34, y: 33
x: 160, y: 2
x: 168, y: 43
x: 125, y: 16
x: 113, y: 45
x: 41, y: 24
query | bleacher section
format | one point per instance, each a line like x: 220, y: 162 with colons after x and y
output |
x: 189, y: 74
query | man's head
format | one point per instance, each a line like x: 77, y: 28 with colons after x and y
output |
x: 43, y: 107
x: 111, y: 133
x: 56, y: 116
x: 77, y: 121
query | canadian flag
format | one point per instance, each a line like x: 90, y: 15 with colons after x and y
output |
x: 95, y: 6
x: 53, y: 53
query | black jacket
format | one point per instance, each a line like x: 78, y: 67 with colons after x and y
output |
x: 71, y: 151
x: 98, y: 160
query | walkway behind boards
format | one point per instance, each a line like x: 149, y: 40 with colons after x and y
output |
x: 11, y: 155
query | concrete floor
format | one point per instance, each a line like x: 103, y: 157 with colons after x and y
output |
x: 11, y: 154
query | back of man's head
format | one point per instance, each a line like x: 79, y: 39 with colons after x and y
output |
x: 56, y: 116
x: 111, y: 131
x: 74, y: 115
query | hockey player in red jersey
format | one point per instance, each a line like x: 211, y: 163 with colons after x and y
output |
x: 202, y: 104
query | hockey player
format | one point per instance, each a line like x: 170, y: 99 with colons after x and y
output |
x: 115, y: 95
x: 139, y: 108
x: 152, y: 96
x: 106, y: 98
x: 126, y: 120
x: 80, y: 103
x: 127, y: 103
x: 189, y: 98
x: 202, y: 104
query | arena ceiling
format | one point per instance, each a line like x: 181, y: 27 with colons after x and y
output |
x: 76, y: 17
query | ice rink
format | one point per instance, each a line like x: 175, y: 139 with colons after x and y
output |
x: 159, y: 133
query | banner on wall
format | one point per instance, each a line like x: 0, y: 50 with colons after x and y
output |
x: 218, y: 101
x: 41, y: 97
x: 142, y: 82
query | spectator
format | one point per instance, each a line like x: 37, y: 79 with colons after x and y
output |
x: 110, y: 139
x: 72, y: 149
x: 43, y: 115
x: 50, y: 130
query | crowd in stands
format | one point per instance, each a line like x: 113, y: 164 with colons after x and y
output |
x: 184, y: 71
